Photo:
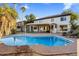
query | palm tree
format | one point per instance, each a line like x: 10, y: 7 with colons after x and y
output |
x: 23, y: 10
x: 8, y: 19
x: 30, y: 18
x: 15, y: 5
x: 74, y: 15
x: 67, y: 11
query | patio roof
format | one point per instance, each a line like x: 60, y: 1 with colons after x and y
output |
x: 40, y: 23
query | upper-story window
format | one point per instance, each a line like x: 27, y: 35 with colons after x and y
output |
x: 52, y: 19
x: 63, y: 18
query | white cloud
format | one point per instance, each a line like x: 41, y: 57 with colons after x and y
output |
x: 67, y: 6
x: 26, y: 7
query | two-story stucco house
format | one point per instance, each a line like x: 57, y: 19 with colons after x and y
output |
x: 53, y: 24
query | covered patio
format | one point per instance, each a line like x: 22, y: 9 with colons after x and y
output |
x: 42, y: 27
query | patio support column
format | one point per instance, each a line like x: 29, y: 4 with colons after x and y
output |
x: 38, y: 28
x: 50, y: 28
x: 25, y: 28
x: 30, y: 28
x: 54, y: 29
x: 58, y: 28
x: 68, y: 27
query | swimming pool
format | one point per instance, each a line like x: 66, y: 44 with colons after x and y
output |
x: 35, y: 40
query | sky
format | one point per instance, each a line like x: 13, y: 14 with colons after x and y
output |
x: 44, y: 9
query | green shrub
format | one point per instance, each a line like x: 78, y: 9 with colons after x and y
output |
x: 13, y: 31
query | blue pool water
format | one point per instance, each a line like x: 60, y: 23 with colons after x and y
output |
x: 36, y: 40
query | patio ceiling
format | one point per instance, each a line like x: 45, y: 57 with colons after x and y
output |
x: 40, y: 23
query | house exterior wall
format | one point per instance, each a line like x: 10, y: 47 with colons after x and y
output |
x: 59, y: 22
x: 56, y: 20
x: 43, y: 21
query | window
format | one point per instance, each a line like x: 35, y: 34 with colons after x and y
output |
x: 52, y: 20
x: 35, y: 27
x: 18, y: 27
x: 63, y: 18
x: 63, y: 27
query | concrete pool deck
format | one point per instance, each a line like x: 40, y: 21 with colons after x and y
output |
x: 43, y: 50
x: 14, y: 50
x: 58, y: 50
x: 77, y: 47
